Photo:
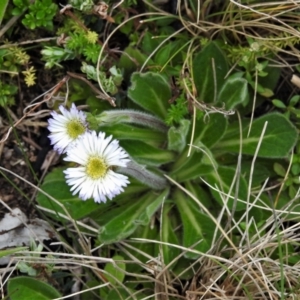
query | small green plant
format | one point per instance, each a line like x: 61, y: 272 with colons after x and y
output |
x: 177, y: 111
x: 290, y: 110
x: 109, y: 83
x: 84, y: 43
x: 13, y: 60
x: 7, y: 93
x: 290, y: 176
x: 55, y: 55
x: 36, y: 270
x: 40, y: 13
x: 20, y: 6
x: 79, y: 43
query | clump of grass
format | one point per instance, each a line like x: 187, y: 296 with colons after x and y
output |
x: 263, y: 265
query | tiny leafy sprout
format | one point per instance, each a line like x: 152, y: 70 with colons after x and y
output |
x: 12, y: 58
x: 7, y: 92
x: 96, y: 156
x: 83, y: 43
x: 85, y: 5
x: 92, y: 37
x: 66, y: 128
x: 177, y: 111
x: 254, y: 47
x: 110, y: 84
x: 40, y: 14
x: 291, y: 182
x: 260, y: 67
x: 54, y: 55
x: 21, y: 5
x: 289, y: 109
x: 25, y: 267
x: 30, y: 76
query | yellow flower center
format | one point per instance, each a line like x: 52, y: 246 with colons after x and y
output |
x: 75, y: 128
x: 96, y: 167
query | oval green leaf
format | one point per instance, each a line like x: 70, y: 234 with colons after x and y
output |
x: 137, y: 212
x: 145, y: 154
x: 209, y: 70
x: 223, y: 180
x: 115, y: 272
x: 279, y: 139
x: 234, y: 92
x: 151, y: 91
x: 198, y: 228
x: 27, y: 288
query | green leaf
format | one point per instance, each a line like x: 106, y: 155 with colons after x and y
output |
x: 198, y: 164
x: 198, y: 191
x: 55, y: 185
x: 260, y: 172
x: 136, y: 213
x: 169, y: 52
x: 223, y: 180
x: 90, y: 289
x: 198, y: 228
x: 278, y: 103
x: 209, y: 70
x: 131, y: 60
x: 192, y: 167
x: 40, y: 15
x: 279, y: 169
x: 3, y: 6
x: 181, y: 271
x: 151, y: 91
x: 234, y: 92
x: 27, y: 288
x: 177, y: 136
x: 11, y: 251
x: 146, y: 154
x: 266, y: 92
x: 279, y: 139
x: 16, y: 11
x: 210, y: 132
x: 292, y: 191
x: 106, y: 211
x: 139, y: 251
x: 271, y: 80
x: 147, y: 214
x: 134, y: 133
x: 164, y: 53
x: 168, y: 236
x: 295, y: 169
x: 26, y: 268
x: 149, y: 44
x: 115, y: 271
x: 295, y: 99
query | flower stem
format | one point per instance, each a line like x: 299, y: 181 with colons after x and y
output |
x: 143, y: 175
x: 131, y: 116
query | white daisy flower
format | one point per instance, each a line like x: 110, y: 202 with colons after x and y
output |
x: 96, y: 157
x: 66, y: 127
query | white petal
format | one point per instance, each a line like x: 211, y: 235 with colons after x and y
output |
x: 112, y: 184
x: 58, y: 127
